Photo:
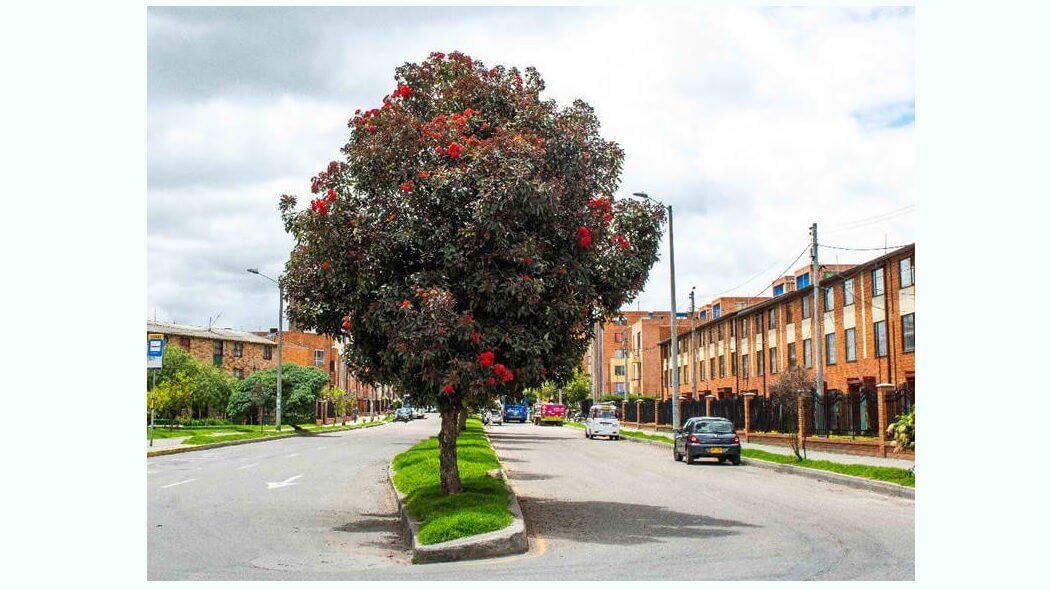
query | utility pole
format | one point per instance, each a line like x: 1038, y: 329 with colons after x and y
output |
x: 692, y: 337
x: 676, y: 409
x: 818, y: 323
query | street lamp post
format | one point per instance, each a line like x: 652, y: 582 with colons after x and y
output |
x: 675, y: 401
x: 622, y: 321
x: 280, y: 343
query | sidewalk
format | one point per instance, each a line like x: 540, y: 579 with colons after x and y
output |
x: 816, y: 455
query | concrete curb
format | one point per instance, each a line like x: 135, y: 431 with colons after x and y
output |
x: 871, y: 485
x: 231, y: 443
x: 508, y: 541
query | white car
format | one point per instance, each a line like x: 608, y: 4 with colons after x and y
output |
x: 602, y: 420
x: 495, y: 417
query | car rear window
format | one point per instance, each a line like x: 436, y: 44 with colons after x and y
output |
x: 715, y: 427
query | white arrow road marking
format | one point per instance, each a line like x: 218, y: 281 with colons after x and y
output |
x: 288, y: 482
x: 248, y: 466
x: 178, y: 483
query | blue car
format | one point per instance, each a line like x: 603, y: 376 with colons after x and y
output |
x: 518, y: 413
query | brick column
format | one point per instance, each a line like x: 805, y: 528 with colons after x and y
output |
x: 707, y: 408
x: 747, y: 415
x: 638, y: 410
x: 884, y: 419
x: 624, y: 410
x: 804, y: 427
x: 656, y: 414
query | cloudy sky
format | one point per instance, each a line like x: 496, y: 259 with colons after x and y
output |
x: 752, y: 123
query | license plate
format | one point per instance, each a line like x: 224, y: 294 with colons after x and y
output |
x: 715, y: 450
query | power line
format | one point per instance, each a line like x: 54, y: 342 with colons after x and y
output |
x: 753, y: 277
x: 863, y: 249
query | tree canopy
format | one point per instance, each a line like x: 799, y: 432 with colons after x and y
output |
x: 300, y: 388
x: 470, y: 239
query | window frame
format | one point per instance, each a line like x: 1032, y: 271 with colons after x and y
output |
x: 807, y: 353
x: 849, y: 296
x: 744, y: 368
x: 904, y: 333
x: 829, y: 299
x: 911, y: 272
x: 853, y: 349
x: 318, y: 362
x: 807, y: 306
x: 773, y: 360
x: 792, y: 356
x: 878, y: 282
x: 238, y: 350
x: 829, y: 349
x: 881, y: 339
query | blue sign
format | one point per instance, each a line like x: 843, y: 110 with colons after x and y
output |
x: 154, y: 351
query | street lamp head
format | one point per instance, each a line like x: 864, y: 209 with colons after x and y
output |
x: 254, y: 271
x: 641, y: 194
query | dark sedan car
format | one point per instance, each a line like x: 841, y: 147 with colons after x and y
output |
x: 707, y: 436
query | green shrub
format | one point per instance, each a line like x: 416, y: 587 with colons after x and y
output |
x: 903, y: 432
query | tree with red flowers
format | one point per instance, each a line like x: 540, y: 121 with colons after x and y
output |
x: 469, y: 240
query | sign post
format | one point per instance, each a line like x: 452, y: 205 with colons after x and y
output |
x: 154, y: 361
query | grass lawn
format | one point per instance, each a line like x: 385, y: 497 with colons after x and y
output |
x: 202, y: 435
x: 897, y: 475
x: 481, y: 508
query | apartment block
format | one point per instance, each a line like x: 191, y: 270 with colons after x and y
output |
x: 238, y: 353
x: 866, y: 336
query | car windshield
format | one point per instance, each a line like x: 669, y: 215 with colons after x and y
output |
x: 604, y: 413
x: 718, y: 427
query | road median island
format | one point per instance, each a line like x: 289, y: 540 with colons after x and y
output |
x: 483, y: 521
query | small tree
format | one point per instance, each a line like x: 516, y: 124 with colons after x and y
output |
x: 469, y: 241
x: 787, y: 393
x: 903, y: 432
x: 300, y: 388
x: 172, y: 395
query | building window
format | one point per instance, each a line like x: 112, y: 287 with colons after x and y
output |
x: 829, y: 348
x: 851, y: 344
x: 847, y: 292
x: 718, y: 311
x: 877, y: 284
x: 184, y: 342
x: 829, y: 299
x: 758, y: 323
x: 807, y: 307
x: 619, y: 387
x: 238, y: 373
x: 802, y: 281
x: 318, y: 358
x: 638, y: 341
x: 792, y: 357
x: 778, y: 290
x: 908, y: 332
x: 787, y: 313
x: 701, y: 371
x: 743, y: 328
x: 703, y: 314
x: 772, y: 318
x: 880, y: 338
x: 907, y: 272
x: 721, y: 331
x: 331, y: 366
x: 238, y: 349
x: 619, y: 370
x: 732, y: 329
x: 267, y: 352
x: 618, y: 353
x: 732, y: 364
x: 721, y: 365
x: 773, y: 360
x: 760, y: 365
x: 618, y: 337
x: 743, y: 362
x: 807, y: 353
x: 216, y: 353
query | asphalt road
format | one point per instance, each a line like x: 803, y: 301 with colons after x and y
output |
x: 320, y: 508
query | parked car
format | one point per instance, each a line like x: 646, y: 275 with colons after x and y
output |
x: 402, y: 415
x: 495, y: 417
x: 707, y: 436
x: 417, y: 413
x: 602, y: 421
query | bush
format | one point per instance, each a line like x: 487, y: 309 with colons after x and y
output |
x: 204, y: 422
x: 903, y: 432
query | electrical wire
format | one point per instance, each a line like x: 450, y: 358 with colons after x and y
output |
x: 863, y: 249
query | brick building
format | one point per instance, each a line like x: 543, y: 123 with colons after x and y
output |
x: 642, y: 330
x: 868, y: 332
x: 238, y: 353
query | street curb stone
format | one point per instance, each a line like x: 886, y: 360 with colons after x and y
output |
x: 882, y: 487
x: 231, y: 443
x: 507, y: 541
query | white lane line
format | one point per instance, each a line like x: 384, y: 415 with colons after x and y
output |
x: 178, y: 483
x: 320, y: 448
x: 248, y: 466
x: 292, y: 455
x: 280, y: 484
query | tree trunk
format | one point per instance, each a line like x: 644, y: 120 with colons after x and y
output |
x: 450, y: 483
x: 462, y: 419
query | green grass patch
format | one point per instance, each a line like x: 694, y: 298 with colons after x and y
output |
x: 202, y: 435
x: 480, y: 508
x: 897, y: 475
x: 646, y: 436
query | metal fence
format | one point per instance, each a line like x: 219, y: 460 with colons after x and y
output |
x: 899, y: 402
x: 631, y: 415
x: 770, y: 415
x: 731, y: 409
x: 845, y: 414
x: 647, y: 411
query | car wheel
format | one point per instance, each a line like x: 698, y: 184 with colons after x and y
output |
x: 721, y: 459
x: 689, y: 459
x: 677, y: 455
x: 736, y: 459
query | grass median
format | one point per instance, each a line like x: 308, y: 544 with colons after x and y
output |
x: 480, y: 508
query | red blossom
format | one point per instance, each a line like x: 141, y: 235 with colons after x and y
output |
x: 346, y: 324
x: 623, y: 243
x: 325, y: 266
x: 439, y: 150
x: 475, y: 337
x: 524, y: 277
x: 449, y: 389
x: 423, y: 174
x: 486, y: 358
x: 403, y: 91
x: 528, y: 260
x: 438, y: 55
x: 314, y: 187
x: 493, y: 72
x: 405, y: 304
x: 499, y: 369
x: 331, y: 194
x: 583, y: 235
x: 455, y: 150
x: 507, y: 376
x: 490, y: 381
x: 372, y: 128
x: 408, y: 186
